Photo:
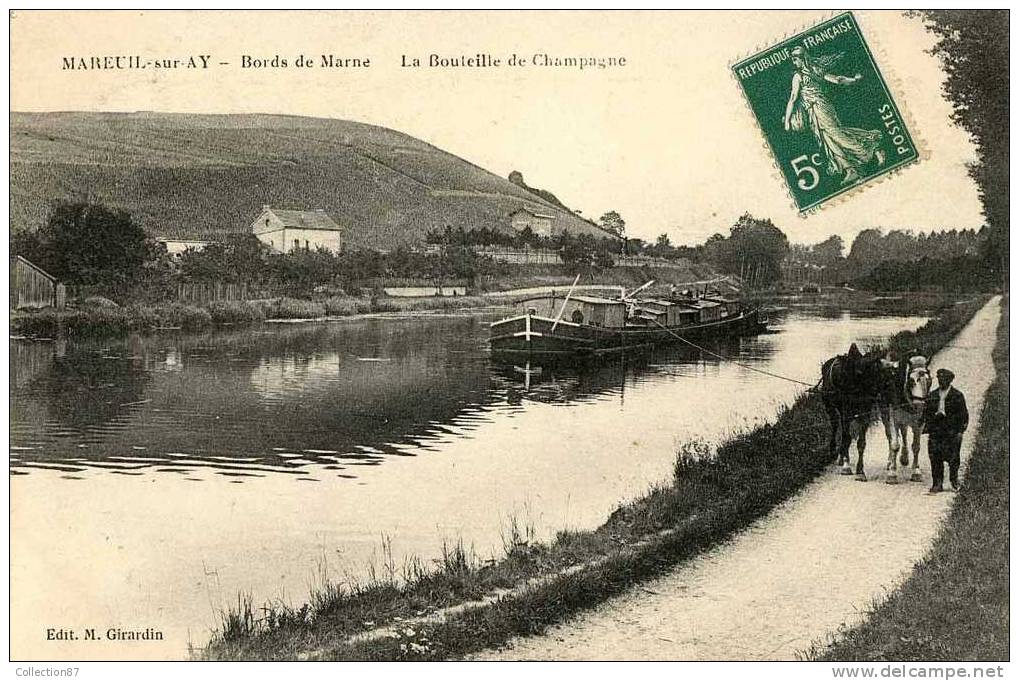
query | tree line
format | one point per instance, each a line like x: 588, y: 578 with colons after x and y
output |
x: 93, y: 245
x: 973, y: 47
x: 89, y: 244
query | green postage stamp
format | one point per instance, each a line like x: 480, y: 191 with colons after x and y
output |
x: 825, y: 111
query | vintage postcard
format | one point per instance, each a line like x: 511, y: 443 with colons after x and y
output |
x: 465, y: 335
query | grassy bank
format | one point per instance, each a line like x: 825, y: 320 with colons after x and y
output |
x: 712, y: 495
x: 96, y: 320
x: 102, y: 320
x: 955, y: 604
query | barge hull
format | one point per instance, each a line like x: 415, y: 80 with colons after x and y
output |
x: 540, y: 337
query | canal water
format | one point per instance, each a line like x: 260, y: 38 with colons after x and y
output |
x: 154, y: 479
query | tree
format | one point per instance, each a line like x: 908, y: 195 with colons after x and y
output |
x: 583, y: 253
x: 754, y: 250
x: 302, y: 270
x: 233, y: 258
x: 613, y: 222
x: 867, y: 249
x: 462, y: 262
x: 974, y: 49
x: 89, y: 243
x: 828, y: 252
x: 28, y: 245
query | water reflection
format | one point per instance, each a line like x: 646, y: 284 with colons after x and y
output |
x: 530, y: 381
x: 307, y: 400
x: 248, y: 403
x: 299, y: 400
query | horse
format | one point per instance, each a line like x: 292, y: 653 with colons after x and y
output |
x: 906, y: 385
x: 849, y: 387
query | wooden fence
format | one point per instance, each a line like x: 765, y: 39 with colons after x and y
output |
x: 206, y: 292
x: 188, y: 292
x: 540, y: 256
x: 647, y: 261
x: 535, y: 256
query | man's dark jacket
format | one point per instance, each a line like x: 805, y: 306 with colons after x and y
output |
x: 956, y: 416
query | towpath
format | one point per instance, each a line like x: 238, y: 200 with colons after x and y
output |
x: 813, y: 565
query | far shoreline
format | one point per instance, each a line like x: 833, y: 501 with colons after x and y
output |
x: 101, y: 318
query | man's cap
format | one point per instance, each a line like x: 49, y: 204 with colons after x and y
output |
x: 946, y: 374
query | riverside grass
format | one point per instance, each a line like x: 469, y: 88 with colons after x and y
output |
x: 103, y: 321
x: 955, y: 604
x: 710, y: 498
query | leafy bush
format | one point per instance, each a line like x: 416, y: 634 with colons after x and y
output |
x: 144, y: 317
x: 235, y: 312
x: 265, y: 306
x: 187, y: 317
x: 340, y: 306
x: 43, y: 324
x: 293, y: 308
x: 51, y: 323
x: 99, y: 301
x: 382, y: 305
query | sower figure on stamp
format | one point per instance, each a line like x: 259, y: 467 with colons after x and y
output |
x: 945, y: 420
x: 846, y: 148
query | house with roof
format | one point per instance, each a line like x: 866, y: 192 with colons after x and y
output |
x: 540, y: 223
x: 286, y: 231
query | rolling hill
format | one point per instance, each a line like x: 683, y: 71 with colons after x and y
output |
x: 186, y: 175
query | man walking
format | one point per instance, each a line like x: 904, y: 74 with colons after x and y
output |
x: 945, y: 418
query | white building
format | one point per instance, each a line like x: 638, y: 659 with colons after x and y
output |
x: 540, y: 223
x: 178, y: 246
x: 293, y: 230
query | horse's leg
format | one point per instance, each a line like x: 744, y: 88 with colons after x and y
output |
x: 902, y: 422
x: 861, y: 445
x: 845, y: 425
x: 917, y: 427
x: 890, y: 421
x: 833, y: 424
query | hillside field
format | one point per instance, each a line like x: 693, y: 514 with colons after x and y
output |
x: 188, y: 175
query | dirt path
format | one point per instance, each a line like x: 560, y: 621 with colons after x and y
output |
x: 814, y: 564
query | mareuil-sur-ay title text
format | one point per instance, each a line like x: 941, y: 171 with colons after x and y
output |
x: 201, y: 62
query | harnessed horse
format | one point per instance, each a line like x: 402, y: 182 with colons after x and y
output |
x: 906, y: 387
x: 849, y: 388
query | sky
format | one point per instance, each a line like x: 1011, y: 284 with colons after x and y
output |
x: 666, y: 140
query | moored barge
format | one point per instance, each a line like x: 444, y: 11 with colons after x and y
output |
x: 551, y: 327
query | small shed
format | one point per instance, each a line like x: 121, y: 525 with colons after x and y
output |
x: 33, y: 287
x: 539, y: 223
x: 665, y: 312
x: 590, y: 310
x: 708, y: 310
x: 687, y: 315
x: 730, y: 305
